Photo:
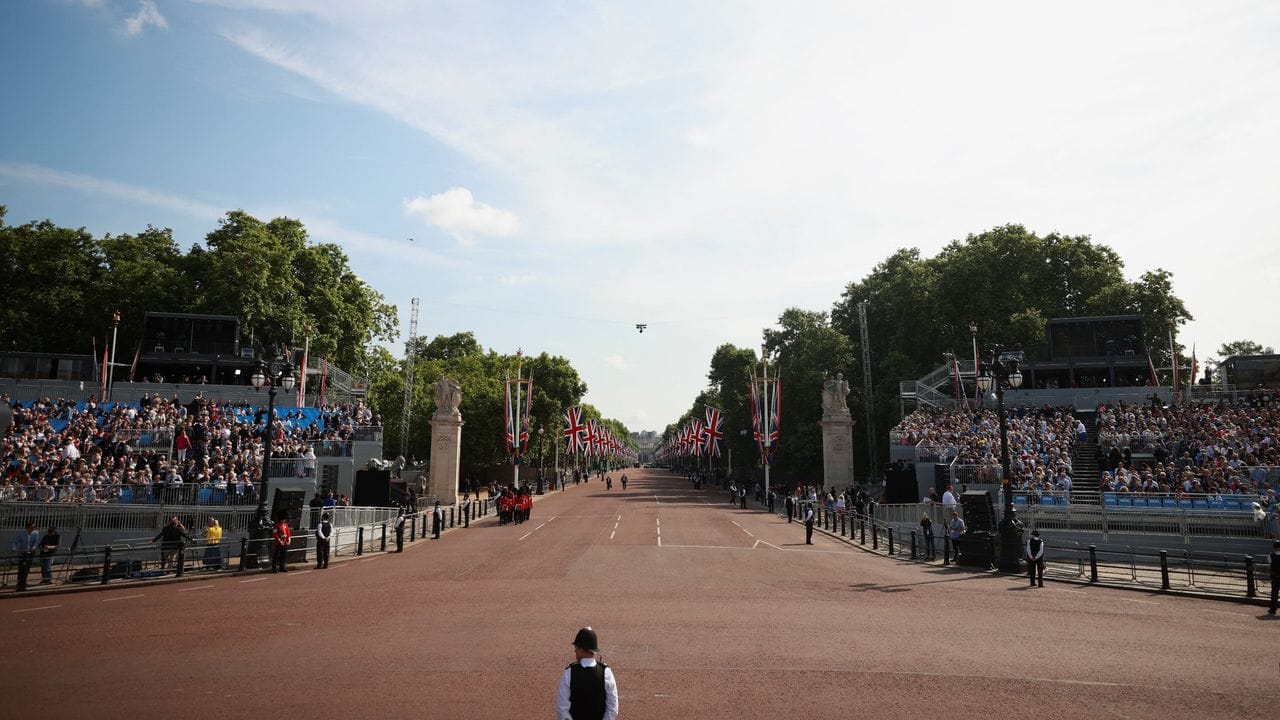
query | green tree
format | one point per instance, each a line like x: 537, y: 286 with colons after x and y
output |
x: 1243, y: 347
x: 52, y: 299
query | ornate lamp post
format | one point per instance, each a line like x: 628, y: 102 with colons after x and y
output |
x: 999, y: 373
x: 272, y: 377
x: 111, y: 371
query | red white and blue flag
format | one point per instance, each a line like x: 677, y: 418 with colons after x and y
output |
x: 574, y: 428
x: 712, y: 434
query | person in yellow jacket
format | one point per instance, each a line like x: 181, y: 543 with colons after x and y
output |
x: 213, y: 544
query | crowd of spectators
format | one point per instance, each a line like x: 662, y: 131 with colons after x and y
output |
x: 64, y: 451
x: 1041, y: 443
x: 1226, y: 448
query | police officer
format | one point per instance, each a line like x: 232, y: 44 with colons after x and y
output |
x: 438, y: 519
x: 466, y: 510
x: 1275, y: 576
x: 399, y: 525
x: 587, y: 688
x: 1035, y: 558
x: 324, y: 531
x: 791, y: 507
x: 808, y: 523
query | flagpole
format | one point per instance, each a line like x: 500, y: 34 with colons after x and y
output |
x: 115, y: 326
x: 768, y: 410
x: 515, y: 425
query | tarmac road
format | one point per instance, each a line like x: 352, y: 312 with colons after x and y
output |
x: 703, y: 610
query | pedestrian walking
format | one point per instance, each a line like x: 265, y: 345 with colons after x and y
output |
x: 1035, y: 558
x: 808, y: 523
x: 587, y: 690
x: 24, y: 546
x: 399, y: 526
x: 324, y: 531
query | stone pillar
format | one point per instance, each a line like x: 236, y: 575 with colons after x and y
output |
x: 837, y: 435
x: 446, y: 443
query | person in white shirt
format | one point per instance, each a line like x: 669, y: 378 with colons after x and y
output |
x: 587, y: 690
x: 949, y: 500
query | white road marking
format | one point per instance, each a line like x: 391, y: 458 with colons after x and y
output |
x: 659, y: 541
x: 525, y: 535
x: 42, y: 607
x: 541, y: 526
x: 615, y: 532
x: 735, y: 522
x: 257, y: 579
x: 1144, y: 602
x: 1077, y: 592
x: 747, y: 532
x: 125, y: 597
x: 198, y: 587
x: 1225, y: 612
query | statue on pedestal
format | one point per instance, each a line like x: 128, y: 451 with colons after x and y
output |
x: 835, y: 392
x: 448, y: 397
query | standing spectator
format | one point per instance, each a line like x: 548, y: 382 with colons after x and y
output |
x: 1275, y: 577
x: 791, y: 507
x: 438, y: 517
x: 808, y: 523
x: 399, y: 525
x: 926, y: 528
x: 24, y: 546
x: 48, y: 548
x: 171, y: 538
x: 324, y: 531
x: 949, y: 500
x: 587, y: 689
x: 213, y: 544
x: 281, y: 534
x: 1035, y: 558
x: 315, y: 504
x: 955, y: 530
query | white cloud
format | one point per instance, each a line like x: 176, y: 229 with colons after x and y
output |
x: 458, y: 213
x: 96, y: 186
x: 148, y: 14
x: 615, y: 361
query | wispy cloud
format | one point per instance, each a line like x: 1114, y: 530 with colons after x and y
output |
x: 458, y: 213
x: 147, y: 15
x: 615, y: 361
x: 109, y: 188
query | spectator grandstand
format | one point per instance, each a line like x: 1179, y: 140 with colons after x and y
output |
x: 162, y: 449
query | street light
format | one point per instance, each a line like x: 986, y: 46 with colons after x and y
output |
x: 1001, y: 372
x: 541, y: 464
x: 272, y: 377
x: 111, y: 371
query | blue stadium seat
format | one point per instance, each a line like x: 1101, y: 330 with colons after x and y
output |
x: 1171, y: 503
x: 1109, y: 499
x: 1047, y: 501
x: 126, y: 495
x: 205, y: 496
x: 1232, y: 503
x: 219, y: 497
x: 1019, y: 499
x: 1216, y: 505
x: 1200, y: 504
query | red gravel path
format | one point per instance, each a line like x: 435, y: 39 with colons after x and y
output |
x: 731, y: 616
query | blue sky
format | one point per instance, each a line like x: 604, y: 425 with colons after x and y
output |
x: 569, y: 169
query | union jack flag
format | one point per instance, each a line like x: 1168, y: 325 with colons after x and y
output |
x: 573, y: 430
x: 712, y: 434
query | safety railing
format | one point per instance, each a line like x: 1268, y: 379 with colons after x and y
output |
x: 976, y: 474
x: 1224, y: 574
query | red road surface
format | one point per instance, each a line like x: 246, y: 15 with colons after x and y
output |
x: 703, y: 610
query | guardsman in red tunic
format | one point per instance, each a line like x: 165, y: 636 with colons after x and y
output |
x: 281, y: 534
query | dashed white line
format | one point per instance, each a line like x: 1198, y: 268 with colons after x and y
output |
x: 124, y: 597
x: 198, y: 587
x: 34, y: 609
x: 615, y: 532
x: 525, y: 535
x: 735, y: 522
x: 747, y: 531
x: 1224, y: 612
x: 1144, y: 602
x: 257, y: 579
x: 1076, y: 592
